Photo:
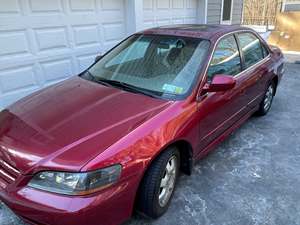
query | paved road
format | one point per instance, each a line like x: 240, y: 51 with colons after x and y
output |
x: 253, y: 178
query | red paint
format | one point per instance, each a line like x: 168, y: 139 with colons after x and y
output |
x: 78, y: 125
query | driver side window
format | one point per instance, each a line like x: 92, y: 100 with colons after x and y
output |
x: 226, y: 59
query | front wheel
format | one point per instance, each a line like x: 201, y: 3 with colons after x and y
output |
x: 266, y: 103
x: 158, y: 184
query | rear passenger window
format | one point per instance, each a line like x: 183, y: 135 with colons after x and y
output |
x: 251, y: 48
x: 226, y: 59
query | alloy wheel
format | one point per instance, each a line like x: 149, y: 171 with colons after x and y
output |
x: 167, y: 183
x: 268, y: 98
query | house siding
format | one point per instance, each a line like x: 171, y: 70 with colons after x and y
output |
x: 237, y: 11
x: 292, y: 7
x: 214, y: 11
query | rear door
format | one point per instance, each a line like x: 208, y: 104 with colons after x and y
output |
x: 220, y: 110
x: 255, y: 69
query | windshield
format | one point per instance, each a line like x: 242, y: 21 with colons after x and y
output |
x: 162, y: 65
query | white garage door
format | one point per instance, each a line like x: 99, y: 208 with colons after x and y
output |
x: 45, y: 41
x: 165, y: 12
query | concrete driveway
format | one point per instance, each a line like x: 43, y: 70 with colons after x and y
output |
x: 252, y: 178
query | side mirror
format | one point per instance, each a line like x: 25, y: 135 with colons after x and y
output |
x: 220, y: 83
x: 98, y: 57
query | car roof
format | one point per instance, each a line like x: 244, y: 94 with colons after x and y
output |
x: 204, y: 31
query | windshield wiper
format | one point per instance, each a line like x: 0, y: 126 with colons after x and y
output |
x: 122, y: 85
x: 128, y: 87
x: 87, y: 73
x: 91, y: 77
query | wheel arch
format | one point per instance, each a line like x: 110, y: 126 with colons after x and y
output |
x: 186, y: 160
x: 186, y: 155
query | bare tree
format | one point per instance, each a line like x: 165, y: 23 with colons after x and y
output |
x: 258, y: 12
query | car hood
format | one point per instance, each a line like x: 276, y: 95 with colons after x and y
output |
x: 68, y: 124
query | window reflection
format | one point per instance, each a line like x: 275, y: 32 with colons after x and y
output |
x: 251, y: 48
x: 226, y: 59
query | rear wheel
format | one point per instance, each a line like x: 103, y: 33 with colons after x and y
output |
x: 158, y: 184
x: 266, y: 103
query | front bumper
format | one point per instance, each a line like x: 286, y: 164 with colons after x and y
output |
x: 111, y: 206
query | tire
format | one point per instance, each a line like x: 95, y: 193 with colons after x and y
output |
x: 266, y: 103
x: 150, y: 202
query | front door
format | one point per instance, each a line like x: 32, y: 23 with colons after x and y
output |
x: 220, y: 110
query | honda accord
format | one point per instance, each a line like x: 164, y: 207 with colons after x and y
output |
x: 95, y: 148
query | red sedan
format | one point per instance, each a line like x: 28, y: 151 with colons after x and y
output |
x: 94, y: 148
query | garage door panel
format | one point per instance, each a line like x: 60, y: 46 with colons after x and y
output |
x: 86, y: 35
x: 14, y: 43
x: 165, y: 12
x: 178, y: 4
x: 16, y: 79
x: 51, y: 40
x: 113, y: 31
x: 191, y: 4
x: 11, y: 7
x: 79, y: 5
x: 111, y: 16
x: 38, y: 6
x: 36, y: 21
x: 112, y: 5
x: 57, y: 70
x: 148, y: 4
x: 14, y: 96
x: 164, y: 4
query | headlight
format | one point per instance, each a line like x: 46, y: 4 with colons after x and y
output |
x: 76, y: 183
